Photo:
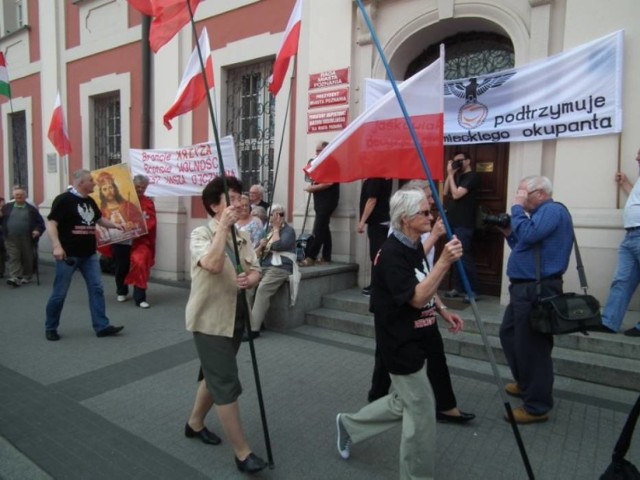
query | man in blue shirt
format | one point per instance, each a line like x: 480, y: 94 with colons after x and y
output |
x: 627, y: 276
x: 537, y: 224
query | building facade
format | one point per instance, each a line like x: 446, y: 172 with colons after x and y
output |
x: 92, y: 52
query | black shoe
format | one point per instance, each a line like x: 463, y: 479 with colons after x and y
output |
x: 254, y: 335
x: 52, y: 335
x: 206, y: 435
x: 251, y: 464
x: 366, y: 291
x: 14, y: 282
x: 603, y: 329
x: 107, y: 332
x: 632, y: 332
x: 464, y: 417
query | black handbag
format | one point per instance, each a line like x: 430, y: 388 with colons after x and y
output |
x: 621, y: 469
x: 568, y: 312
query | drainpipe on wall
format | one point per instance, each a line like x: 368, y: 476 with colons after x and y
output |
x: 145, y: 133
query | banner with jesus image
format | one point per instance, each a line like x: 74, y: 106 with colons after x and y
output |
x: 116, y: 197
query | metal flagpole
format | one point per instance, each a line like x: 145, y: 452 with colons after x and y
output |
x: 243, y: 297
x: 277, y: 167
x: 461, y: 271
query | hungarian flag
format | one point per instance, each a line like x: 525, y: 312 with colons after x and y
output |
x: 169, y: 16
x: 192, y: 89
x: 5, y: 88
x: 378, y: 144
x: 288, y: 48
x: 58, y: 133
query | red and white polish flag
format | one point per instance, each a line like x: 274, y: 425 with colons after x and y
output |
x: 288, y: 48
x: 192, y: 90
x: 377, y: 144
x: 58, y: 133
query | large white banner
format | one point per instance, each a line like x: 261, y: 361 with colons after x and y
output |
x: 572, y: 94
x: 183, y: 171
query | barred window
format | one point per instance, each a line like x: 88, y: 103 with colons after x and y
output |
x: 19, y: 172
x: 468, y: 54
x: 107, y: 148
x: 250, y: 112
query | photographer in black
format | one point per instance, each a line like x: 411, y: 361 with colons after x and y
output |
x: 460, y: 188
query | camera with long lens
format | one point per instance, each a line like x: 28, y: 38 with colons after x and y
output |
x: 456, y: 164
x: 502, y: 220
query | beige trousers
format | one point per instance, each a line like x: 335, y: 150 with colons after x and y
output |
x: 411, y: 400
x: 272, y: 278
x: 20, y: 253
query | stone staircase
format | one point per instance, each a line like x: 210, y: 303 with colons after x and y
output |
x: 600, y: 359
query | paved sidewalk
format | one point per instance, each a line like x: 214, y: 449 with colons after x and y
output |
x: 115, y: 408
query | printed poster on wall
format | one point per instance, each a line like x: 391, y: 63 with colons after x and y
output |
x: 117, y: 199
x: 183, y: 171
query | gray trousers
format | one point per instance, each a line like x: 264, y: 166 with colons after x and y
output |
x: 410, y: 401
x: 20, y: 252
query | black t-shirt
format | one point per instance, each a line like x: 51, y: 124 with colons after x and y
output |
x: 380, y: 189
x: 326, y: 201
x: 76, y: 217
x: 401, y: 330
x: 462, y: 212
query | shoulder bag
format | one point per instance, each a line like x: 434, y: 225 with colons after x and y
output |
x: 568, y: 312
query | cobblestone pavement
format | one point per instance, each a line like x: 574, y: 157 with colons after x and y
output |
x: 115, y: 408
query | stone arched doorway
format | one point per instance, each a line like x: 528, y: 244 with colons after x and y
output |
x: 473, y: 54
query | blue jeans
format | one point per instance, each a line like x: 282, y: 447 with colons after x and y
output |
x: 625, y: 281
x: 90, y: 269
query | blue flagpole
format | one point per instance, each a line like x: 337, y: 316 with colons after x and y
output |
x: 416, y: 142
x: 459, y: 265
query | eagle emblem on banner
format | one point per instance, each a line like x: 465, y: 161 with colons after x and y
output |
x: 473, y: 113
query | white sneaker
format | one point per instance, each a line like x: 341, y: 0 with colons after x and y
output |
x: 144, y: 305
x: 24, y: 281
x: 122, y: 298
x: 344, y: 440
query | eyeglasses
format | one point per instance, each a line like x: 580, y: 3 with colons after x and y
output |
x: 426, y: 213
x: 534, y: 191
x: 280, y: 214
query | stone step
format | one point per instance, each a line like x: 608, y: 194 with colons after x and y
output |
x: 564, y: 387
x: 611, y: 360
x: 491, y: 312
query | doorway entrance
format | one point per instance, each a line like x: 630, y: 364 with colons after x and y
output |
x: 491, y: 163
x: 473, y: 54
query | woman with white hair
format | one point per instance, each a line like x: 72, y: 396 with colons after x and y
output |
x: 405, y: 304
x: 278, y: 253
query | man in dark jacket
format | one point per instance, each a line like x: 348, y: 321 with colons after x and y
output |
x: 22, y: 225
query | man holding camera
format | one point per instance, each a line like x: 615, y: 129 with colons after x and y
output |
x: 540, y: 228
x: 462, y: 184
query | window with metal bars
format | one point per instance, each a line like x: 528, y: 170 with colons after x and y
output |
x: 249, y: 114
x: 107, y: 148
x: 19, y: 171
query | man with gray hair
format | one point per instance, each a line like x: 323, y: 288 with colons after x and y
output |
x: 540, y: 228
x: 22, y: 226
x: 72, y: 230
x: 256, y: 196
